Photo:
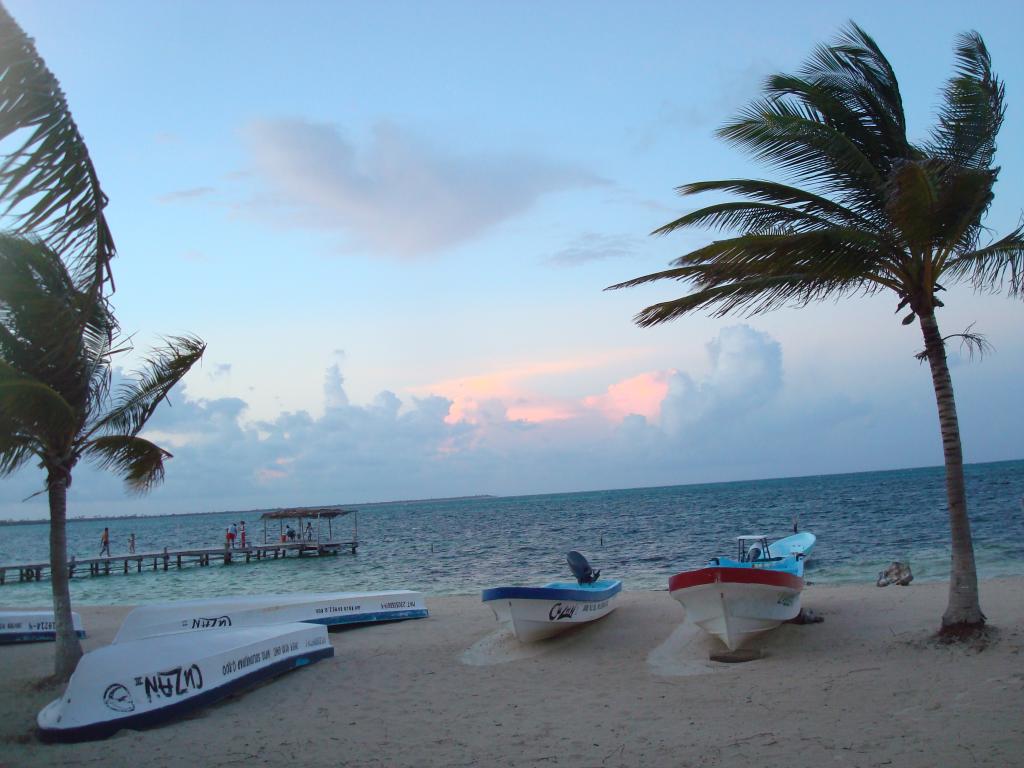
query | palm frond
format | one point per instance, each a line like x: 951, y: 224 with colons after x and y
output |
x: 139, y: 462
x: 49, y: 183
x: 137, y: 400
x: 801, y: 143
x: 857, y: 75
x: 781, y: 194
x: 871, y: 210
x: 749, y: 296
x: 49, y: 328
x: 33, y: 411
x: 15, y: 448
x: 749, y: 217
x: 793, y: 268
x: 973, y: 108
x: 998, y: 263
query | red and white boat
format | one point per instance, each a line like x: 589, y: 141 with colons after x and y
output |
x: 736, y: 600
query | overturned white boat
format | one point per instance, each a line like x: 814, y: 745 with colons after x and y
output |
x: 141, y: 683
x: 32, y: 626
x: 535, y: 613
x: 328, y: 608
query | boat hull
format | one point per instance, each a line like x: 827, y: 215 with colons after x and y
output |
x: 32, y: 626
x: 142, y: 683
x: 329, y: 609
x: 537, y: 613
x: 737, y: 604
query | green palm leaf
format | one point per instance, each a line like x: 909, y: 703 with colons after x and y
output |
x: 137, y: 400
x: 33, y: 412
x: 973, y: 108
x: 139, y: 462
x: 48, y: 182
x: 998, y: 264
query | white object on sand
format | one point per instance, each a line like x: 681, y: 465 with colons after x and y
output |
x: 144, y: 682
x: 328, y: 608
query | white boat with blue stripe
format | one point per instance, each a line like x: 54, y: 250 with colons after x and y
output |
x: 327, y: 608
x: 142, y: 683
x: 32, y: 626
x: 536, y: 613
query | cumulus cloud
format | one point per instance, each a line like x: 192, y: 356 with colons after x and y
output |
x: 396, y: 193
x: 745, y: 374
x: 734, y: 418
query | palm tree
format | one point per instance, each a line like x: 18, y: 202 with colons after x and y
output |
x: 866, y: 211
x: 57, y: 343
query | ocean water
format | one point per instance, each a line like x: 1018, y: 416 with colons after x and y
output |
x: 643, y: 536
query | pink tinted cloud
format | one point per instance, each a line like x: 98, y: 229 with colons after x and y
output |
x: 482, y: 399
x: 475, y: 399
x: 640, y: 395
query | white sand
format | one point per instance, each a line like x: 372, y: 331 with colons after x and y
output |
x: 864, y: 688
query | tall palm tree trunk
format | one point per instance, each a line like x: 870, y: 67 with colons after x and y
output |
x: 69, y: 648
x: 964, y: 608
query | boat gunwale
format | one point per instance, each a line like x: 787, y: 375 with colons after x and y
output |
x: 581, y: 594
x: 728, y: 575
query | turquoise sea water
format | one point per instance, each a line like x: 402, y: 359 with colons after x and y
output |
x: 642, y: 536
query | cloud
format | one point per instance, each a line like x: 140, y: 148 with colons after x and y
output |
x: 514, y: 388
x: 185, y: 194
x: 737, y: 417
x: 396, y: 193
x: 730, y: 92
x: 592, y: 246
x: 219, y: 371
x: 745, y: 375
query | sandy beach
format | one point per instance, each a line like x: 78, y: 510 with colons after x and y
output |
x: 867, y: 687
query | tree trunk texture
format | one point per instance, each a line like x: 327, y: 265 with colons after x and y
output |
x: 964, y: 608
x: 68, y: 649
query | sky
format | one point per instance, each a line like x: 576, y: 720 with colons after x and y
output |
x: 393, y: 224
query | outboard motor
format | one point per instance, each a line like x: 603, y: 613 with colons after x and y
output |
x: 754, y: 553
x: 581, y: 568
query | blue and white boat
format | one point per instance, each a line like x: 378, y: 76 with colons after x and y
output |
x: 141, y: 683
x: 737, y: 600
x: 535, y: 613
x: 32, y: 626
x: 327, y: 608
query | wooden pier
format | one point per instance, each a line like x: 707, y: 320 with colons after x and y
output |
x: 177, y: 558
x: 305, y: 542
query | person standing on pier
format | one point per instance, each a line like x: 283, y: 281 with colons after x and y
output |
x: 105, y: 543
x: 241, y: 526
x: 131, y: 543
x: 232, y: 535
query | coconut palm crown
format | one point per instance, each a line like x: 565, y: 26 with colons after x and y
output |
x: 865, y: 210
x: 57, y: 344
